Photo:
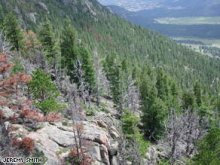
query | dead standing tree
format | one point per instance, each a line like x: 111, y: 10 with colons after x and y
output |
x: 102, y: 84
x: 81, y: 146
x: 131, y: 96
x: 78, y: 154
x: 181, y: 133
x: 83, y: 87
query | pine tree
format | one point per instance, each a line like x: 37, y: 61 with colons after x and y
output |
x: 162, y: 85
x: 113, y: 69
x: 153, y: 117
x: 198, y: 94
x: 44, y: 91
x: 154, y: 110
x: 68, y: 49
x: 188, y: 101
x: 49, y: 43
x: 208, y: 149
x: 87, y: 67
x: 13, y: 32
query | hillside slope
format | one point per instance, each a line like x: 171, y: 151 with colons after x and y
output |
x: 110, y: 34
x: 113, y: 94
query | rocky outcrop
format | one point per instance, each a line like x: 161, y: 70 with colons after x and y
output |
x: 55, y: 141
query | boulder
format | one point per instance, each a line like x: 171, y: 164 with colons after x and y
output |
x: 114, y: 161
x: 53, y: 138
x: 113, y: 148
x: 55, y: 141
x: 104, y: 154
x: 114, y: 133
x: 52, y: 141
x: 6, y: 126
x: 102, y: 139
x: 61, y: 137
x: 94, y: 133
x: 102, y: 124
x: 94, y: 151
x: 48, y: 147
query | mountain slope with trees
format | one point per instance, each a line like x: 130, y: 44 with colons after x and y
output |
x: 99, y: 28
x: 114, y: 91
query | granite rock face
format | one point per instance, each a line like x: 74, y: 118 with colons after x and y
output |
x: 55, y: 141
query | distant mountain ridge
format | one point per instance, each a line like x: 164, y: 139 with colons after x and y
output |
x: 208, y: 7
x: 177, y: 9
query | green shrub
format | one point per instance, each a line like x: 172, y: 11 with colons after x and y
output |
x: 45, y: 92
x: 50, y: 105
x: 209, y: 149
x: 132, y: 132
x: 18, y: 67
x: 129, y: 123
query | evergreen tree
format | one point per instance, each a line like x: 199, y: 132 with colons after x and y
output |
x: 209, y: 149
x: 68, y: 50
x: 162, y: 85
x: 133, y: 134
x: 154, y: 110
x: 188, y: 101
x: 44, y: 91
x: 87, y: 67
x: 49, y: 43
x: 13, y: 32
x: 153, y: 118
x: 129, y: 123
x: 198, y: 94
x: 113, y: 69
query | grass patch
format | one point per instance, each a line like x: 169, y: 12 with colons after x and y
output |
x: 189, y: 20
x: 208, y: 42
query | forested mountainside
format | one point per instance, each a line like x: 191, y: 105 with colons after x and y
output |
x: 101, y: 29
x: 79, y: 85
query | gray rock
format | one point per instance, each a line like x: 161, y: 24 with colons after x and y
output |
x: 61, y: 137
x: 7, y: 112
x: 114, y: 133
x: 94, y: 133
x: 95, y: 152
x: 113, y: 148
x: 6, y: 126
x: 104, y: 154
x: 102, y: 124
x: 32, y: 17
x: 55, y: 141
x: 114, y: 161
x: 95, y: 162
x: 49, y: 147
